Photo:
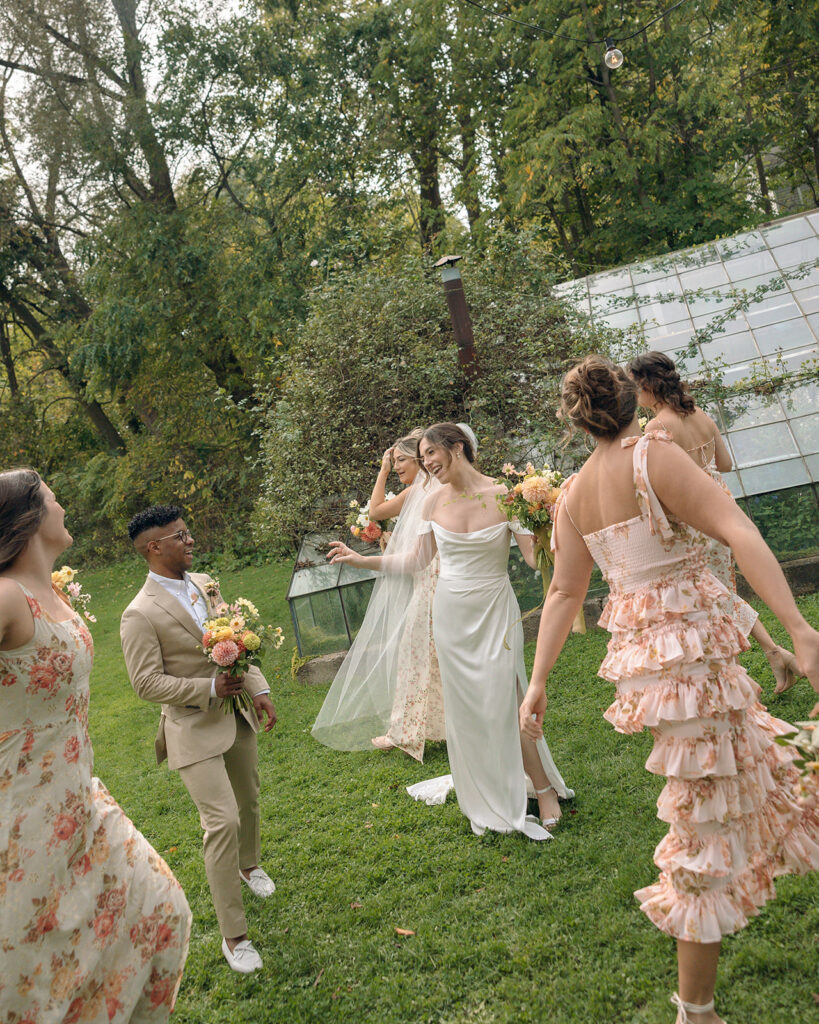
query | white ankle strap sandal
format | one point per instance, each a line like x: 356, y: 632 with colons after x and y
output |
x: 686, y: 1008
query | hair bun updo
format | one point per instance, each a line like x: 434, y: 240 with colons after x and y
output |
x: 657, y: 373
x: 598, y: 396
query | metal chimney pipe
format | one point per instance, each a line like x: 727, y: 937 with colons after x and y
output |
x: 459, y: 314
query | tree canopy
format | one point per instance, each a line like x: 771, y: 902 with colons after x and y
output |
x: 185, y: 190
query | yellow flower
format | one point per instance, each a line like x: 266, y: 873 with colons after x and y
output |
x: 221, y: 621
x: 251, y: 641
x: 221, y: 633
x: 60, y: 578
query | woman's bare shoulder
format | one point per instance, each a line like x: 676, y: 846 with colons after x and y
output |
x: 13, y: 602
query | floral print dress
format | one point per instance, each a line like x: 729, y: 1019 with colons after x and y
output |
x: 718, y: 557
x: 418, y: 705
x: 734, y: 821
x: 95, y: 926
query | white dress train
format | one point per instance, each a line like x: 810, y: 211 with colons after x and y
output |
x: 479, y: 639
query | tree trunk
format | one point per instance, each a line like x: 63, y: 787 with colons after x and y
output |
x: 137, y: 111
x: 432, y: 213
x: 8, y: 360
x: 104, y: 427
x: 469, y: 168
x: 611, y: 95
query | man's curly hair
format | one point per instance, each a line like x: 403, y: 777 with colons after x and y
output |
x: 156, y: 515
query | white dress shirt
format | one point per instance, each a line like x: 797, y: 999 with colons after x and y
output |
x: 189, y: 596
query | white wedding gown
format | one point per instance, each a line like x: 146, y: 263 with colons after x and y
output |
x: 479, y: 639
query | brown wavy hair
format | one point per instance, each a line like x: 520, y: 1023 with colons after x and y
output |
x: 657, y: 373
x: 447, y: 435
x: 22, y: 508
x: 598, y: 396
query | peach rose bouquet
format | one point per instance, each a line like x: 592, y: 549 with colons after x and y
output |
x: 235, y: 640
x: 531, y: 498
x: 361, y: 526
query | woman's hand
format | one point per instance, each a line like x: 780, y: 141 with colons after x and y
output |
x: 339, y: 552
x: 386, y: 461
x: 531, y: 712
x: 384, y: 539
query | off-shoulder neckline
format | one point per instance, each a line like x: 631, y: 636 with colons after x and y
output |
x: 467, y: 533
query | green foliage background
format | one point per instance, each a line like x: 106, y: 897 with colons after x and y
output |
x: 219, y: 218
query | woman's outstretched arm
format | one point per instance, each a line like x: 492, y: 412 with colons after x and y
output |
x: 694, y: 498
x: 414, y: 560
x: 570, y: 581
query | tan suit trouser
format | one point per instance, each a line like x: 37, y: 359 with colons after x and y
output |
x: 225, y: 790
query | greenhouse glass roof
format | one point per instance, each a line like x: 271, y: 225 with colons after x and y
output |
x: 665, y: 301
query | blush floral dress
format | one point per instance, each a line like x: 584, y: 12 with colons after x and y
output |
x: 718, y: 557
x: 734, y: 823
x: 95, y: 927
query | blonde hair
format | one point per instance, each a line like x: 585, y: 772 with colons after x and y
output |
x: 408, y: 445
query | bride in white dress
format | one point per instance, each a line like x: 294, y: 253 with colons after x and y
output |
x: 479, y: 639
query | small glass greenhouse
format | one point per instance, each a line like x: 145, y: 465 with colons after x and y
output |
x: 328, y: 602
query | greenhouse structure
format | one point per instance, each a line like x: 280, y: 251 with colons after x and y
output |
x: 742, y: 312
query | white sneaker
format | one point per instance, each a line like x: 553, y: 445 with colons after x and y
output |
x: 260, y: 883
x: 244, y: 957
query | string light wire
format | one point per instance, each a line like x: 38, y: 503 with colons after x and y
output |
x: 562, y: 35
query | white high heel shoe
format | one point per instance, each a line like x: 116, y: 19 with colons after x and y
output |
x: 548, y: 822
x: 684, y: 1008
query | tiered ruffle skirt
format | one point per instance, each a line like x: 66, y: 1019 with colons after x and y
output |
x: 734, y: 820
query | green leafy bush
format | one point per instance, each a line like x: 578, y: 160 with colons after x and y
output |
x: 376, y: 357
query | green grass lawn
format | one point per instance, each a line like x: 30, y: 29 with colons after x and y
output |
x: 506, y: 930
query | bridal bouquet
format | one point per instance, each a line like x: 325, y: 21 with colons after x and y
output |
x: 361, y: 526
x: 63, y: 580
x: 235, y: 640
x: 531, y: 498
x: 806, y: 744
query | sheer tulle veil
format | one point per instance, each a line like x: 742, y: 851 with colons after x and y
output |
x: 359, y: 702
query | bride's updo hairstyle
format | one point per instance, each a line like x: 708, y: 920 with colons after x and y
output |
x: 447, y: 435
x: 657, y: 373
x: 598, y: 396
x: 22, y: 508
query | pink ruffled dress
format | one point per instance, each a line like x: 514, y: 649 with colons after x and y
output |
x: 734, y: 822
x: 718, y: 556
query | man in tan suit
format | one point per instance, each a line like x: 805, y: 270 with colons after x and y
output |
x: 215, y: 753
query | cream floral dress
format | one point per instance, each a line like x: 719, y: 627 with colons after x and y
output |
x: 95, y: 927
x: 734, y: 823
x: 418, y: 706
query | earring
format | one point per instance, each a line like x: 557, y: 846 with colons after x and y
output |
x: 589, y: 447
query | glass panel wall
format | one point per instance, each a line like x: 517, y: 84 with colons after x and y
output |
x: 743, y: 306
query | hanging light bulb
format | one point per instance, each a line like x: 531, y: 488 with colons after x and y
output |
x: 613, y: 57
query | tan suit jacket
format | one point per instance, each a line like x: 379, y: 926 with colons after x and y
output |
x: 162, y: 647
